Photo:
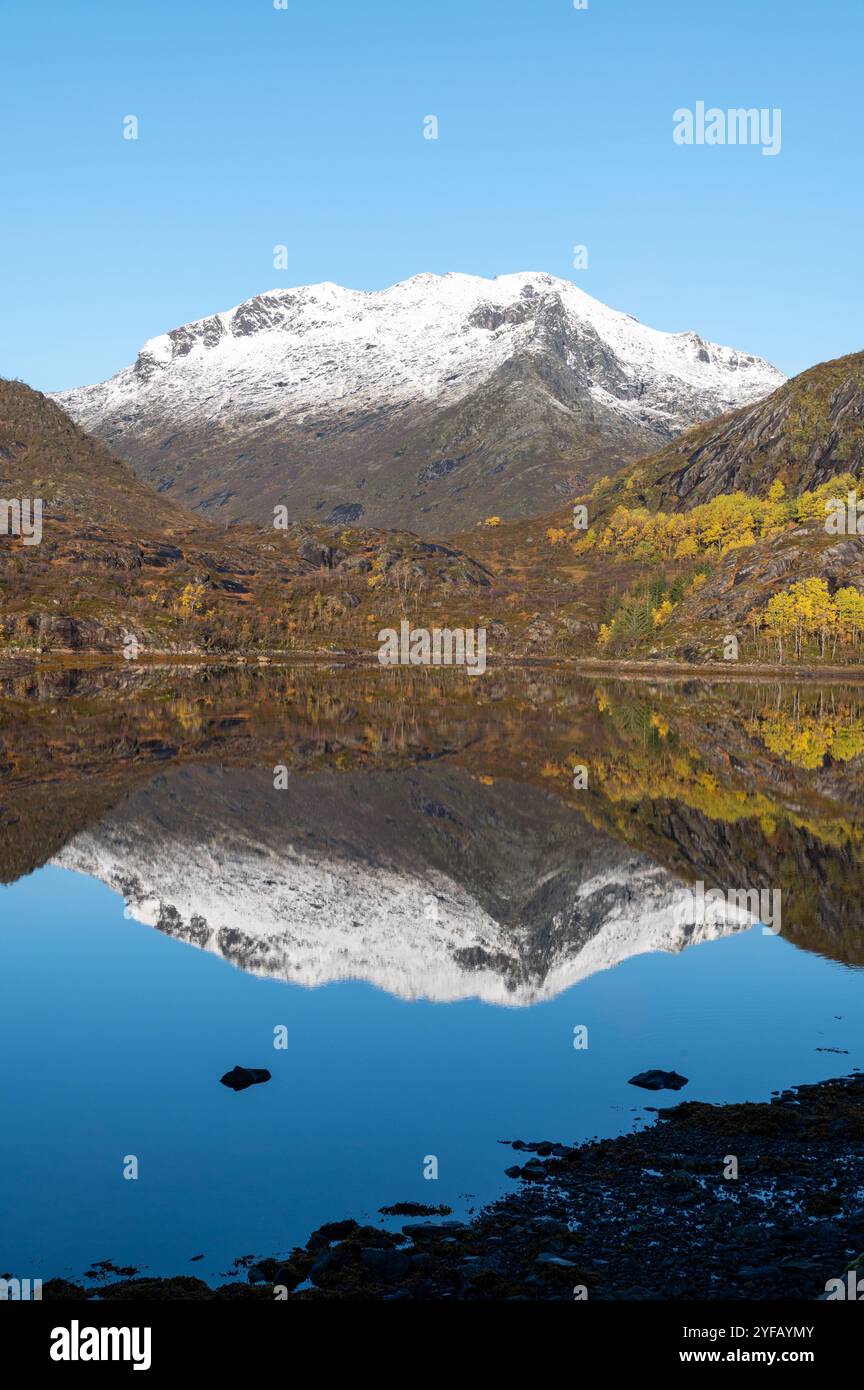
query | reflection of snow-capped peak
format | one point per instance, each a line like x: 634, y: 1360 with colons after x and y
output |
x: 301, y: 918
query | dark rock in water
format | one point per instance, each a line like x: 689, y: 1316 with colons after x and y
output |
x: 415, y: 1209
x: 658, y: 1080
x: 333, y: 1230
x: 433, y: 1230
x: 291, y: 1274
x: 242, y: 1077
x: 327, y: 1262
x: 545, y: 1148
x: 629, y: 1218
x: 758, y: 1271
x: 385, y: 1264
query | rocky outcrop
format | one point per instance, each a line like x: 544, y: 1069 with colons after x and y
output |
x: 807, y: 432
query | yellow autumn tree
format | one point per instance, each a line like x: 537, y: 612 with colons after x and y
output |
x: 191, y: 600
x: 780, y: 619
x: 815, y: 611
x: 661, y: 615
x: 849, y: 604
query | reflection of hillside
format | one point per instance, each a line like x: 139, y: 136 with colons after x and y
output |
x: 713, y: 782
x: 72, y: 744
x: 702, y: 785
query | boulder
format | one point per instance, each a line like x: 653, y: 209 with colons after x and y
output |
x: 242, y: 1077
x: 658, y: 1080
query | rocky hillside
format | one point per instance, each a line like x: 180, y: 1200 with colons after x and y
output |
x: 745, y: 580
x: 43, y: 453
x: 117, y: 558
x: 807, y: 431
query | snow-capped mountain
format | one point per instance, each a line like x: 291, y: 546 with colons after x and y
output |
x: 401, y: 881
x: 429, y: 404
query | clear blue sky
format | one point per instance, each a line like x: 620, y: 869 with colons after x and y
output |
x: 304, y: 127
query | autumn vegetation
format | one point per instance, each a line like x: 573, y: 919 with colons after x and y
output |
x: 805, y: 616
x: 728, y: 522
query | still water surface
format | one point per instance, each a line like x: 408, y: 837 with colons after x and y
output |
x: 196, y: 909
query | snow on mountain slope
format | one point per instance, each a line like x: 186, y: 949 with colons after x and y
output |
x: 298, y: 917
x: 436, y: 395
x: 431, y: 338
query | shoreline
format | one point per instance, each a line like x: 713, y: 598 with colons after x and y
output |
x: 652, y: 1215
x: 16, y: 662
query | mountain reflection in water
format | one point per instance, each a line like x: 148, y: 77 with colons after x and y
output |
x: 425, y: 832
x: 417, y: 848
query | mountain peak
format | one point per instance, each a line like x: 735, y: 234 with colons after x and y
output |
x: 406, y: 386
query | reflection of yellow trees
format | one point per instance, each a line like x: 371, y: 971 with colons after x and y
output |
x: 804, y: 743
x: 652, y: 762
x: 848, y: 742
x: 188, y: 714
x: 636, y: 778
x: 807, y: 739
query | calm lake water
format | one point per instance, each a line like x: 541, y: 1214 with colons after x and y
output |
x: 404, y: 878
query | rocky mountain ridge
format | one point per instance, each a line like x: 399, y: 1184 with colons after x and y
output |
x: 428, y: 405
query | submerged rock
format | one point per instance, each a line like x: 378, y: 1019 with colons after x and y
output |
x: 242, y: 1077
x: 658, y: 1080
